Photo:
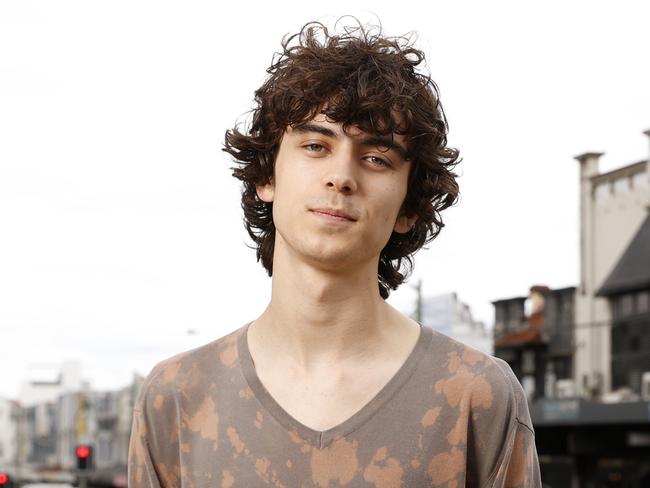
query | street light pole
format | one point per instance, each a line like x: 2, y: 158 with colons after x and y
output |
x: 418, y: 303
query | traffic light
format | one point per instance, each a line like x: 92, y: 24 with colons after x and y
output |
x: 84, y: 454
x: 5, y: 480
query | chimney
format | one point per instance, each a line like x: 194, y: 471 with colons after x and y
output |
x: 588, y: 164
x: 588, y: 169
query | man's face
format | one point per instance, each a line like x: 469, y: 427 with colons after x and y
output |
x: 337, y: 197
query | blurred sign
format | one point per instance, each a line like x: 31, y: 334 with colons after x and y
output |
x: 561, y: 409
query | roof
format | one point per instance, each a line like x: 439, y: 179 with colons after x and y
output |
x: 541, y: 288
x: 519, y: 338
x: 625, y: 171
x: 632, y: 271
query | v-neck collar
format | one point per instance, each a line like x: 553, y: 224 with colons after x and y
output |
x: 322, y: 439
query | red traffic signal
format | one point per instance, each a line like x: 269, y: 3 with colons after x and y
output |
x: 5, y: 480
x: 83, y: 452
x: 84, y: 455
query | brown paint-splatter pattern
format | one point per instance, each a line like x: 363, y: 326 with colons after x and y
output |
x: 259, y: 418
x: 261, y: 468
x: 454, y: 387
x: 472, y: 356
x: 235, y: 441
x: 246, y: 393
x: 336, y: 463
x: 137, y: 449
x: 383, y: 471
x: 170, y: 372
x: 458, y: 434
x: 295, y: 437
x: 169, y: 475
x: 228, y: 354
x: 446, y: 466
x: 206, y: 421
x: 228, y: 479
x: 517, y: 475
x: 481, y: 393
x: 430, y: 417
x: 158, y: 401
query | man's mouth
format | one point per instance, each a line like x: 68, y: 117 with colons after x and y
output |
x: 335, y: 213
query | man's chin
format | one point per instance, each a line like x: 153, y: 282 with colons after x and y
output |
x: 342, y: 260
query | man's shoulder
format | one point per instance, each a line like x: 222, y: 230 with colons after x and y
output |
x: 487, y: 381
x: 198, y: 368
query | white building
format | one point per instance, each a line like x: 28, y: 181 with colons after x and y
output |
x: 8, y: 409
x: 48, y: 382
x: 613, y: 206
x: 448, y: 315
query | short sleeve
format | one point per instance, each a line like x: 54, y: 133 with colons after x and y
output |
x: 153, y: 449
x: 517, y: 463
x: 519, y: 466
x: 141, y: 472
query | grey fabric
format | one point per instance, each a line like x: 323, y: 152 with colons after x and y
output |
x: 450, y: 417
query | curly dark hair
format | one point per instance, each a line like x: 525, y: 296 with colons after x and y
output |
x: 356, y: 78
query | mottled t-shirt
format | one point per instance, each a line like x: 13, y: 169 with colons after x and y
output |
x: 450, y: 417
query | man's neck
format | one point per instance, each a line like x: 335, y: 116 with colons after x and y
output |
x: 321, y: 319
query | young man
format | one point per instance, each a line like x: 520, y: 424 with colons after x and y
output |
x: 345, y: 170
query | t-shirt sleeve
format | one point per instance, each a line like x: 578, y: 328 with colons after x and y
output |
x: 517, y: 464
x: 153, y: 457
x: 141, y: 472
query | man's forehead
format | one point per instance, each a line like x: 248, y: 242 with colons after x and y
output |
x: 351, y: 130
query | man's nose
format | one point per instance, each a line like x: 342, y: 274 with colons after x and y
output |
x: 340, y: 175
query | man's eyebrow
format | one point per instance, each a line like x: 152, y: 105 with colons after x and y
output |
x: 386, y: 142
x: 310, y: 127
x: 371, y: 140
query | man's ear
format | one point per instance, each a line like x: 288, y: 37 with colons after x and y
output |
x: 266, y: 192
x: 405, y: 223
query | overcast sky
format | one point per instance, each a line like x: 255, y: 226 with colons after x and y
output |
x: 120, y: 225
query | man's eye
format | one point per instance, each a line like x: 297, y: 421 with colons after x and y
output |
x: 313, y: 147
x: 378, y: 161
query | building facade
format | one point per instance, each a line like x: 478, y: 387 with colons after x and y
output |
x: 534, y: 334
x: 49, y: 381
x: 8, y: 451
x: 613, y: 206
x: 590, y: 390
x: 47, y: 434
x: 627, y: 289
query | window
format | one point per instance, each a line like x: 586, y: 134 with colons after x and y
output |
x: 528, y: 362
x: 567, y: 310
x: 625, y: 305
x: 634, y: 380
x: 643, y: 301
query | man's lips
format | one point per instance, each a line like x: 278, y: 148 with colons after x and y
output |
x: 334, y: 213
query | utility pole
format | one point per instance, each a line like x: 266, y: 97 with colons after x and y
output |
x: 418, y: 303
x: 19, y: 412
x: 82, y: 434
